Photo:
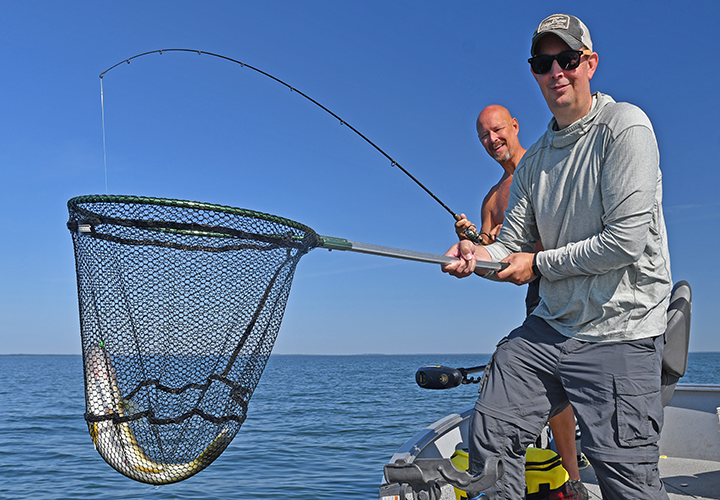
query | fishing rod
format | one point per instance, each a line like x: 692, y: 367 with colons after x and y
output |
x: 471, y: 234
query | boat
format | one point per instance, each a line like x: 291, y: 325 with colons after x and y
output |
x: 422, y: 468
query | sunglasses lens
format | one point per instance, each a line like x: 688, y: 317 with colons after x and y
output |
x: 568, y: 60
x: 541, y: 64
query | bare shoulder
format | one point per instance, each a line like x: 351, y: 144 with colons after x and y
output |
x: 491, y: 194
x: 500, y: 190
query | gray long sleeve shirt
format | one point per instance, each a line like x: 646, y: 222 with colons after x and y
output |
x: 592, y: 192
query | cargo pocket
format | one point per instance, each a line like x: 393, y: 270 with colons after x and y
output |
x: 638, y: 409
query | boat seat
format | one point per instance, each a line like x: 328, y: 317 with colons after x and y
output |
x: 677, y: 339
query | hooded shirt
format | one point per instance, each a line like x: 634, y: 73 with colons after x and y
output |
x: 592, y: 193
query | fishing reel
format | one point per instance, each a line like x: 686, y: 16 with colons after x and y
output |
x: 445, y: 377
x: 473, y: 236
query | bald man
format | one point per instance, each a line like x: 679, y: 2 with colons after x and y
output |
x: 498, y: 133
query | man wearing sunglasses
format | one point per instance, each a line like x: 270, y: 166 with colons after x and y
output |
x: 590, y: 189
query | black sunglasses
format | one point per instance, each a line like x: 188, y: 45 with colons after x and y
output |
x: 568, y: 59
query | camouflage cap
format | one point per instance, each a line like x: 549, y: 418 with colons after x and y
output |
x: 569, y: 28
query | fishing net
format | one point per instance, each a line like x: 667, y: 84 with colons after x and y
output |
x: 180, y: 305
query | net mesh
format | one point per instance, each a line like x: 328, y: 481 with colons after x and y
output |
x: 180, y: 305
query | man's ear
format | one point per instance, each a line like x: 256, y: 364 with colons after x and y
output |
x: 592, y: 64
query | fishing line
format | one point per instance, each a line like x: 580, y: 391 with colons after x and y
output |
x: 102, y: 107
x: 472, y: 235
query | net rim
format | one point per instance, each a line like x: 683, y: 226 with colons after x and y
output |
x: 74, y: 203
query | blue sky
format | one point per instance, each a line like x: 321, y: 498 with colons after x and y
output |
x: 411, y: 76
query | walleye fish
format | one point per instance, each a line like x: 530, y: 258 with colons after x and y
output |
x: 116, y: 442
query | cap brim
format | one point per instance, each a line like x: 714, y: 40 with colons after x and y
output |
x: 571, y: 41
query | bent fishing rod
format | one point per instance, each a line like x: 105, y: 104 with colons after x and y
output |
x: 471, y: 234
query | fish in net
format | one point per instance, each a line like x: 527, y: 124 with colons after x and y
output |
x: 180, y: 305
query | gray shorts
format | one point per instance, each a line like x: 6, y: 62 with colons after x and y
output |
x: 614, y: 388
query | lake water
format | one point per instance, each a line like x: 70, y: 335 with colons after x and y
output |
x: 318, y: 427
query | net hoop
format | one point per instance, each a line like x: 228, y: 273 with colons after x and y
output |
x: 77, y: 203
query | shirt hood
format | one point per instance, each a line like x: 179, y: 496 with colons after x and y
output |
x: 570, y: 134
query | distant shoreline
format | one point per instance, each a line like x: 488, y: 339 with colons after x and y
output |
x: 349, y: 355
